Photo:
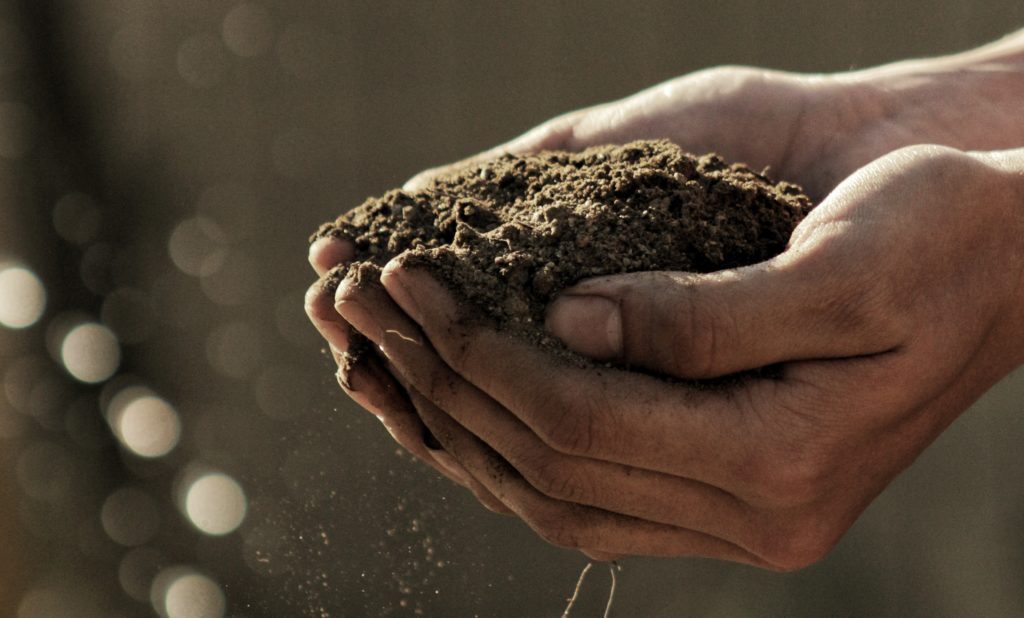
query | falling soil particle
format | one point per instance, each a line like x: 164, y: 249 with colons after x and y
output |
x: 506, y: 236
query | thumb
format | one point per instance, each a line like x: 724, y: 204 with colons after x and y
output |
x: 709, y: 325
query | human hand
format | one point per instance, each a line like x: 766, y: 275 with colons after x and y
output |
x: 898, y: 302
x: 812, y: 129
x: 370, y: 380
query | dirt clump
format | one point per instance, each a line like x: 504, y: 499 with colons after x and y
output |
x: 506, y: 236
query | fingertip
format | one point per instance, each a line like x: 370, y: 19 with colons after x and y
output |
x: 590, y: 325
x: 419, y: 181
x: 328, y: 251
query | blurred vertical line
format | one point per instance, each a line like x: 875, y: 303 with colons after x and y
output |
x: 59, y: 160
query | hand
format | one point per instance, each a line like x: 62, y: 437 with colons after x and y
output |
x: 813, y: 129
x: 372, y: 383
x: 897, y: 304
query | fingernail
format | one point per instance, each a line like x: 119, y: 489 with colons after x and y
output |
x: 590, y: 325
x: 392, y: 281
x: 360, y: 319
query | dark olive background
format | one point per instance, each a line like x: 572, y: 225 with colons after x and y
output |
x: 142, y: 105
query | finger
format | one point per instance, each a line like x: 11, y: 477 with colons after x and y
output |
x: 319, y: 304
x: 370, y: 385
x: 404, y: 425
x: 566, y: 524
x: 795, y: 307
x: 625, y: 417
x: 329, y: 251
x: 645, y: 494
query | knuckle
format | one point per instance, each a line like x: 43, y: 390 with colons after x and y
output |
x: 698, y: 333
x: 862, y: 303
x: 796, y: 546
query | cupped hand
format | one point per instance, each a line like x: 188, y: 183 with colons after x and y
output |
x: 897, y: 304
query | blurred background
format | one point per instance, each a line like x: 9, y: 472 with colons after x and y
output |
x: 172, y: 440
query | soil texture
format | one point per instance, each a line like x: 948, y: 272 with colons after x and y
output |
x: 506, y: 236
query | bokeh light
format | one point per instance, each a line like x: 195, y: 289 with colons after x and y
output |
x: 215, y: 504
x: 90, y: 352
x: 198, y: 246
x: 130, y: 516
x: 22, y: 297
x: 180, y: 592
x: 145, y: 424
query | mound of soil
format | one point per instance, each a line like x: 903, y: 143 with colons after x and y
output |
x: 508, y: 235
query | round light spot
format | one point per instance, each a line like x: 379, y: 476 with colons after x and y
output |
x: 76, y: 218
x: 22, y: 297
x: 202, y: 61
x: 90, y: 353
x: 215, y: 504
x: 17, y: 125
x: 149, y: 427
x: 192, y: 595
x: 130, y: 517
x: 197, y: 246
x: 248, y: 30
x: 146, y: 425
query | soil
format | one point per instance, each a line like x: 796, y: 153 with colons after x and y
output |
x: 506, y: 236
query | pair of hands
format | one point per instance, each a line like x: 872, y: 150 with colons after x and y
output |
x: 897, y: 303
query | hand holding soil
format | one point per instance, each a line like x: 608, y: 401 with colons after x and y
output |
x: 896, y: 304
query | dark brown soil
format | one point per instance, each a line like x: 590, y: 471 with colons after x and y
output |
x: 508, y: 235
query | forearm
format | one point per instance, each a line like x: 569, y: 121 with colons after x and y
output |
x: 970, y: 100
